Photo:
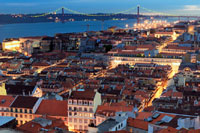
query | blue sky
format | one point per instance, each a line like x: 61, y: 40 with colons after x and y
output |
x: 93, y: 6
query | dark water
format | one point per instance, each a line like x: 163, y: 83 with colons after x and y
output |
x: 50, y: 29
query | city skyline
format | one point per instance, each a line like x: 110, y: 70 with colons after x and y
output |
x: 93, y: 6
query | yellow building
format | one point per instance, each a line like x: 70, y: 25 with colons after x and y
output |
x: 2, y: 89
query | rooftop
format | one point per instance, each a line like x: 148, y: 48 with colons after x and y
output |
x: 84, y: 95
x: 53, y: 108
x: 106, y: 125
x: 24, y: 102
x: 5, y: 119
x: 5, y: 101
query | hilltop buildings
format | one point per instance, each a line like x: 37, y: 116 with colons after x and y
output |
x: 112, y: 80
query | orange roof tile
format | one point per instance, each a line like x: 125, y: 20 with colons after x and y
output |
x: 143, y: 115
x: 177, y: 94
x: 138, y: 124
x: 168, y: 130
x: 5, y: 101
x: 167, y: 94
x: 110, y: 109
x: 33, y: 127
x: 53, y: 108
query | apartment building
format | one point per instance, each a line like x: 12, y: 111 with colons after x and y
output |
x: 82, y: 106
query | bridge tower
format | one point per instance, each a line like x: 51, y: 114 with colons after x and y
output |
x: 138, y: 14
x: 63, y: 11
x: 63, y: 15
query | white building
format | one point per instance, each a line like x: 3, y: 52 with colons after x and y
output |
x: 81, y: 108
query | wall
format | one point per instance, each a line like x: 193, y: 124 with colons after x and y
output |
x: 97, y: 101
x: 2, y: 89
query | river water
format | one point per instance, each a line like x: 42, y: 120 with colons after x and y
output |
x: 50, y: 29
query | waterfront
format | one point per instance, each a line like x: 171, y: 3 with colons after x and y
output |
x: 50, y: 29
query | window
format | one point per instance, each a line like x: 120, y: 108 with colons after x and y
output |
x: 75, y: 120
x: 75, y: 109
x: 70, y: 119
x: 80, y: 109
x: 70, y: 108
x: 21, y: 116
x: 30, y: 111
x: 91, y: 103
x: 80, y: 127
x: 85, y: 109
x: 91, y: 115
x: 70, y: 101
x: 85, y: 121
x: 91, y: 110
x: 20, y: 110
x: 16, y: 110
x: 70, y: 113
x: 80, y: 102
x: 80, y: 121
x: 85, y: 102
x: 30, y: 116
x: 80, y: 114
x: 25, y: 111
x: 85, y: 127
x: 25, y: 116
x: 11, y: 110
x: 75, y: 114
x: 74, y: 101
x: 16, y: 115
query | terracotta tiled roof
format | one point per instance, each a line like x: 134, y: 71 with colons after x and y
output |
x: 122, y: 131
x: 167, y: 94
x: 5, y: 101
x: 40, y: 64
x: 165, y: 33
x: 140, y: 124
x: 143, y: 115
x: 84, y: 95
x: 53, y: 108
x: 110, y: 109
x: 34, y: 127
x: 177, y: 94
x: 168, y: 130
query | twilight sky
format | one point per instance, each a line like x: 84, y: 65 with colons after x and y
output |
x: 93, y: 6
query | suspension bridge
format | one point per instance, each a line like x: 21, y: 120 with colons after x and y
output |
x: 139, y: 11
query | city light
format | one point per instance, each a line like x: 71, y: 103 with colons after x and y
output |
x: 11, y: 45
x: 151, y: 24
